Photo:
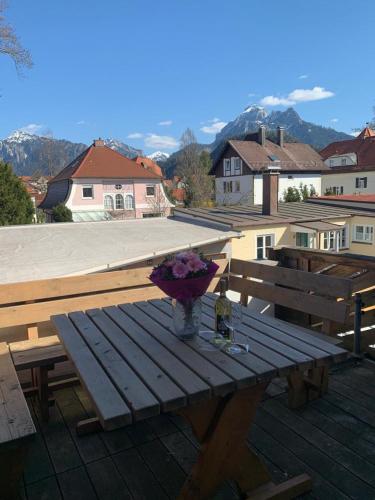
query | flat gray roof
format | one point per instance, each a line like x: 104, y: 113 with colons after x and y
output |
x: 50, y: 250
x: 243, y: 216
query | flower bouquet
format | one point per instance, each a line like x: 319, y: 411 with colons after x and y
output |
x: 185, y: 277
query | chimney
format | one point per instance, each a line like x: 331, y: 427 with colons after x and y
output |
x: 262, y: 135
x: 280, y: 136
x: 271, y: 191
x: 98, y: 143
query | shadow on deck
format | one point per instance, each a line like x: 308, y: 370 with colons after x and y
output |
x: 332, y: 439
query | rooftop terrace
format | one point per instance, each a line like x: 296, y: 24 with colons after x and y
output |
x: 332, y: 439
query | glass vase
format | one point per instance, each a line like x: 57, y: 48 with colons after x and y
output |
x: 187, y: 318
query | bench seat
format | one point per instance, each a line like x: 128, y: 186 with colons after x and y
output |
x: 16, y: 426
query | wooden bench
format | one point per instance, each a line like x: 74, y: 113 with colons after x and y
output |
x: 16, y: 426
x: 40, y: 356
x: 30, y: 303
x: 325, y: 297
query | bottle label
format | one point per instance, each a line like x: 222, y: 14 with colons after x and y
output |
x: 221, y: 325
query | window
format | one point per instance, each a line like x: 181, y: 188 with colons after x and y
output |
x: 343, y: 162
x: 150, y: 190
x: 88, y: 191
x: 263, y: 242
x: 329, y: 240
x: 226, y: 167
x: 290, y: 177
x: 338, y: 190
x: 331, y: 163
x: 361, y: 182
x: 343, y: 238
x: 363, y: 234
x: 108, y: 202
x: 302, y: 240
x: 119, y: 202
x: 231, y: 186
x: 129, y: 202
x: 118, y: 186
x: 236, y: 166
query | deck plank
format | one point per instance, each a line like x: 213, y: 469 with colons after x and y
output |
x: 138, y: 397
x: 167, y: 392
x: 106, y: 480
x: 110, y: 407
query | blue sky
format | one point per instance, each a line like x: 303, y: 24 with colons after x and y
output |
x: 143, y: 71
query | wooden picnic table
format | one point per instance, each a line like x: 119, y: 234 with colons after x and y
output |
x: 133, y: 366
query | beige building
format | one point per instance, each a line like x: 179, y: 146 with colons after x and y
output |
x: 301, y: 224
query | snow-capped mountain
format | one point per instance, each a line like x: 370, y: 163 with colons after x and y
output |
x: 28, y: 153
x: 123, y: 148
x: 159, y: 156
x: 254, y: 115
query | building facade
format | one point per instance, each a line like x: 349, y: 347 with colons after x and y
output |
x: 101, y: 184
x: 239, y: 169
x: 351, y: 164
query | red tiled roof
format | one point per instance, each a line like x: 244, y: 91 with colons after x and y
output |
x: 368, y: 198
x: 363, y: 146
x: 179, y: 194
x: 148, y: 163
x: 99, y: 161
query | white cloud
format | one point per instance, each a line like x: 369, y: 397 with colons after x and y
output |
x: 165, y: 123
x: 33, y: 128
x: 314, y: 94
x: 296, y: 96
x: 334, y: 120
x: 303, y: 77
x: 134, y: 135
x: 355, y: 133
x: 271, y: 100
x: 160, y: 141
x: 214, y: 127
x: 81, y: 122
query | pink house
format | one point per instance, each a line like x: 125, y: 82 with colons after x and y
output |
x: 102, y: 184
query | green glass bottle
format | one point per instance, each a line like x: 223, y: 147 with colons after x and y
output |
x: 223, y: 312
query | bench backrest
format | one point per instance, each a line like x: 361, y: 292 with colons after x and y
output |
x: 33, y: 302
x: 323, y: 296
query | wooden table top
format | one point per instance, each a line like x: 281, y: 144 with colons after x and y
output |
x: 133, y: 366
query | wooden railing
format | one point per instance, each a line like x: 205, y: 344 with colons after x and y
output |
x: 33, y: 302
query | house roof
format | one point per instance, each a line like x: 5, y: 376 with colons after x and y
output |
x: 356, y: 198
x: 292, y: 156
x: 149, y: 164
x: 363, y: 146
x: 39, y: 251
x: 99, y: 161
x: 242, y: 216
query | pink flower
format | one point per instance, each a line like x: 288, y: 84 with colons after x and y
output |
x: 180, y: 270
x: 195, y: 265
x: 169, y: 263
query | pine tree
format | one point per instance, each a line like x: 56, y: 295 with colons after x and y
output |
x: 61, y: 213
x: 291, y: 194
x: 16, y: 206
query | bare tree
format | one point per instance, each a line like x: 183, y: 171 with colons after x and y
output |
x: 159, y: 203
x: 193, y: 167
x: 10, y: 44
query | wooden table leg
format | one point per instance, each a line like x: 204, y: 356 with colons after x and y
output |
x: 222, y: 426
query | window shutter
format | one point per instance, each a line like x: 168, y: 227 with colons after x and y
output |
x: 357, y: 182
x: 365, y: 182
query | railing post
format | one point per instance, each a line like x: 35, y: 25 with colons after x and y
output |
x: 357, y: 324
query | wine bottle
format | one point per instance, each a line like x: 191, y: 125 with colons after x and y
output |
x: 223, y: 312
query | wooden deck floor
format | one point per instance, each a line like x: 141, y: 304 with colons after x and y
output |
x: 332, y: 439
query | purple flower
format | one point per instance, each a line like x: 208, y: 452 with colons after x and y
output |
x: 180, y: 270
x: 195, y: 265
